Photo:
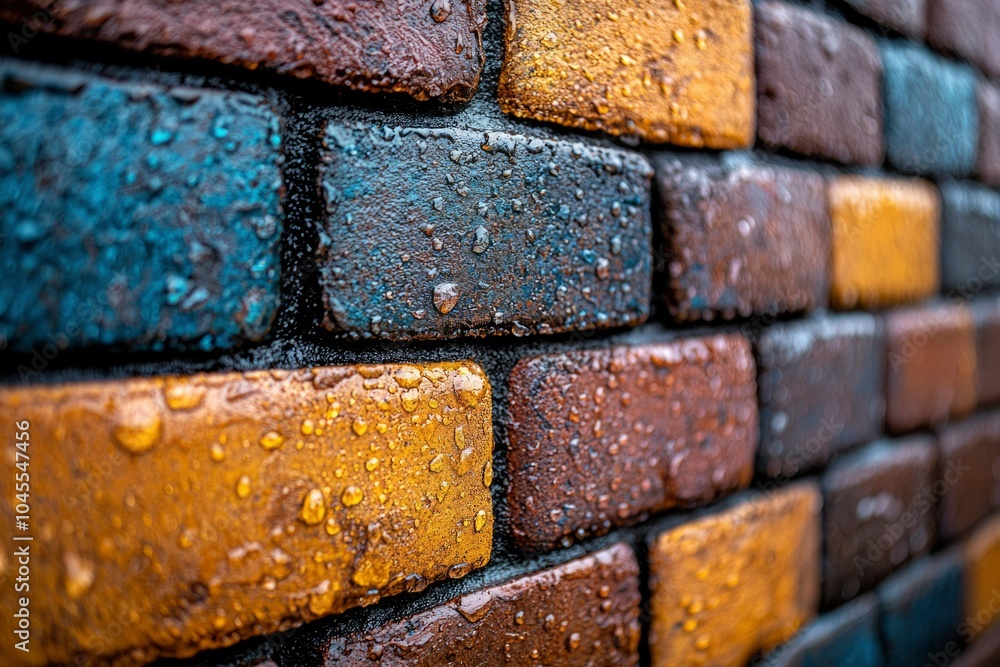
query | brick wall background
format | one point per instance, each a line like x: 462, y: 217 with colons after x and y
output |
x: 455, y: 332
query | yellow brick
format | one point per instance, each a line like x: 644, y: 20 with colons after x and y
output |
x: 679, y: 72
x: 736, y: 582
x: 175, y: 514
x: 885, y: 241
x: 982, y: 576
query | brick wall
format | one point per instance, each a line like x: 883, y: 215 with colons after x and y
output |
x: 460, y: 332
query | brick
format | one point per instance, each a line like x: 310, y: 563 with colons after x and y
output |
x: 680, y: 73
x: 439, y: 233
x: 986, y: 314
x: 426, y: 48
x: 931, y: 371
x: 819, y: 84
x: 846, y: 636
x: 136, y: 215
x: 931, y: 111
x: 741, y: 239
x: 584, y: 612
x: 982, y: 578
x: 970, y: 471
x: 201, y: 510
x: 989, y: 133
x: 922, y: 610
x: 885, y: 241
x: 907, y: 16
x: 970, y: 238
x: 968, y: 28
x: 735, y: 582
x: 820, y: 387
x: 878, y: 512
x: 605, y: 437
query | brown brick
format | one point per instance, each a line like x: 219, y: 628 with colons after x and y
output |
x: 820, y: 386
x: 677, y: 72
x: 982, y: 576
x: 968, y: 28
x: 200, y: 510
x: 427, y: 48
x: 970, y: 471
x: 584, y: 612
x: 605, y: 437
x: 989, y: 132
x: 931, y: 366
x: 741, y: 239
x: 735, y: 582
x: 819, y: 84
x: 907, y: 16
x: 885, y: 241
x: 878, y: 512
x: 986, y: 314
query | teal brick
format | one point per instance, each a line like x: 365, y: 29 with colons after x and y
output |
x: 846, y: 636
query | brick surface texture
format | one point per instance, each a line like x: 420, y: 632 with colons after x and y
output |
x: 970, y: 470
x: 907, y: 16
x: 970, y: 238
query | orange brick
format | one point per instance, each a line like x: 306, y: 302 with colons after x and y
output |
x: 679, y: 72
x: 197, y: 511
x: 736, y: 582
x: 982, y: 577
x: 885, y: 241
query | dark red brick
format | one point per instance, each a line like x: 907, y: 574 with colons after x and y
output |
x: 989, y: 132
x: 968, y: 28
x: 584, y: 612
x: 986, y: 315
x: 741, y: 239
x: 427, y: 48
x: 970, y: 472
x: 819, y: 82
x: 820, y: 386
x: 931, y: 367
x: 605, y: 437
x: 878, y: 512
x: 907, y: 16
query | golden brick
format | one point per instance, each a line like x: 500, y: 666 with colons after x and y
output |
x: 885, y: 241
x: 982, y: 576
x: 736, y: 582
x: 174, y: 514
x: 679, y: 72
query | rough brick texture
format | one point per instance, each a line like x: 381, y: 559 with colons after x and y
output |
x: 970, y: 238
x: 907, y: 16
x: 736, y: 582
x: 878, y: 512
x: 846, y: 636
x: 495, y: 233
x: 584, y: 612
x: 604, y: 437
x: 741, y: 239
x: 885, y: 240
x: 820, y: 386
x: 982, y: 578
x: 427, y: 48
x: 968, y: 28
x: 680, y: 72
x: 970, y: 471
x: 931, y: 111
x: 931, y: 366
x: 986, y: 314
x: 820, y: 85
x: 136, y: 215
x: 199, y: 510
x: 989, y: 133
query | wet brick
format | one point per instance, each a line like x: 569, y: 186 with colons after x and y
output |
x: 970, y: 238
x: 931, y: 366
x: 820, y: 386
x: 735, y: 582
x: 136, y: 215
x: 986, y: 314
x: 846, y: 636
x: 427, y: 48
x: 989, y: 133
x: 907, y: 16
x: 982, y: 578
x: 970, y: 470
x: 819, y: 82
x: 605, y: 437
x: 440, y: 233
x: 879, y: 510
x: 741, y: 239
x: 201, y: 510
x: 968, y: 28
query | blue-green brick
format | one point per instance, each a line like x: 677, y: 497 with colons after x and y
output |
x: 970, y: 238
x: 848, y: 635
x: 134, y: 215
x: 931, y: 111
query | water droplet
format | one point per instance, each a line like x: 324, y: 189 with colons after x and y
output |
x: 359, y: 425
x: 138, y: 426
x: 332, y: 527
x: 409, y: 399
x: 217, y: 452
x: 445, y: 297
x: 550, y: 40
x: 488, y: 474
x: 469, y: 387
x: 482, y: 240
x: 440, y: 10
x: 272, y: 440
x: 437, y: 463
x: 601, y: 268
x: 371, y: 463
x: 351, y: 496
x: 308, y: 427
x: 313, y: 508
x: 243, y: 486
x: 573, y: 641
x: 183, y: 396
x: 79, y: 575
x: 408, y: 377
x: 480, y: 520
x: 475, y: 606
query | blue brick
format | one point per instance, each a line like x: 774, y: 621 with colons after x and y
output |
x: 846, y: 636
x: 970, y: 238
x: 931, y: 112
x: 135, y: 215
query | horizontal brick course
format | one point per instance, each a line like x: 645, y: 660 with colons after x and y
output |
x: 982, y: 578
x: 970, y: 472
x: 427, y: 48
x: 493, y: 233
x: 735, y: 582
x: 907, y: 16
x: 584, y: 612
x: 137, y: 215
x: 605, y: 437
x: 970, y: 238
x: 741, y: 239
x: 666, y: 72
x: 986, y: 315
x: 820, y: 85
x: 968, y: 28
x: 200, y: 510
x: 820, y: 386
x: 846, y: 636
